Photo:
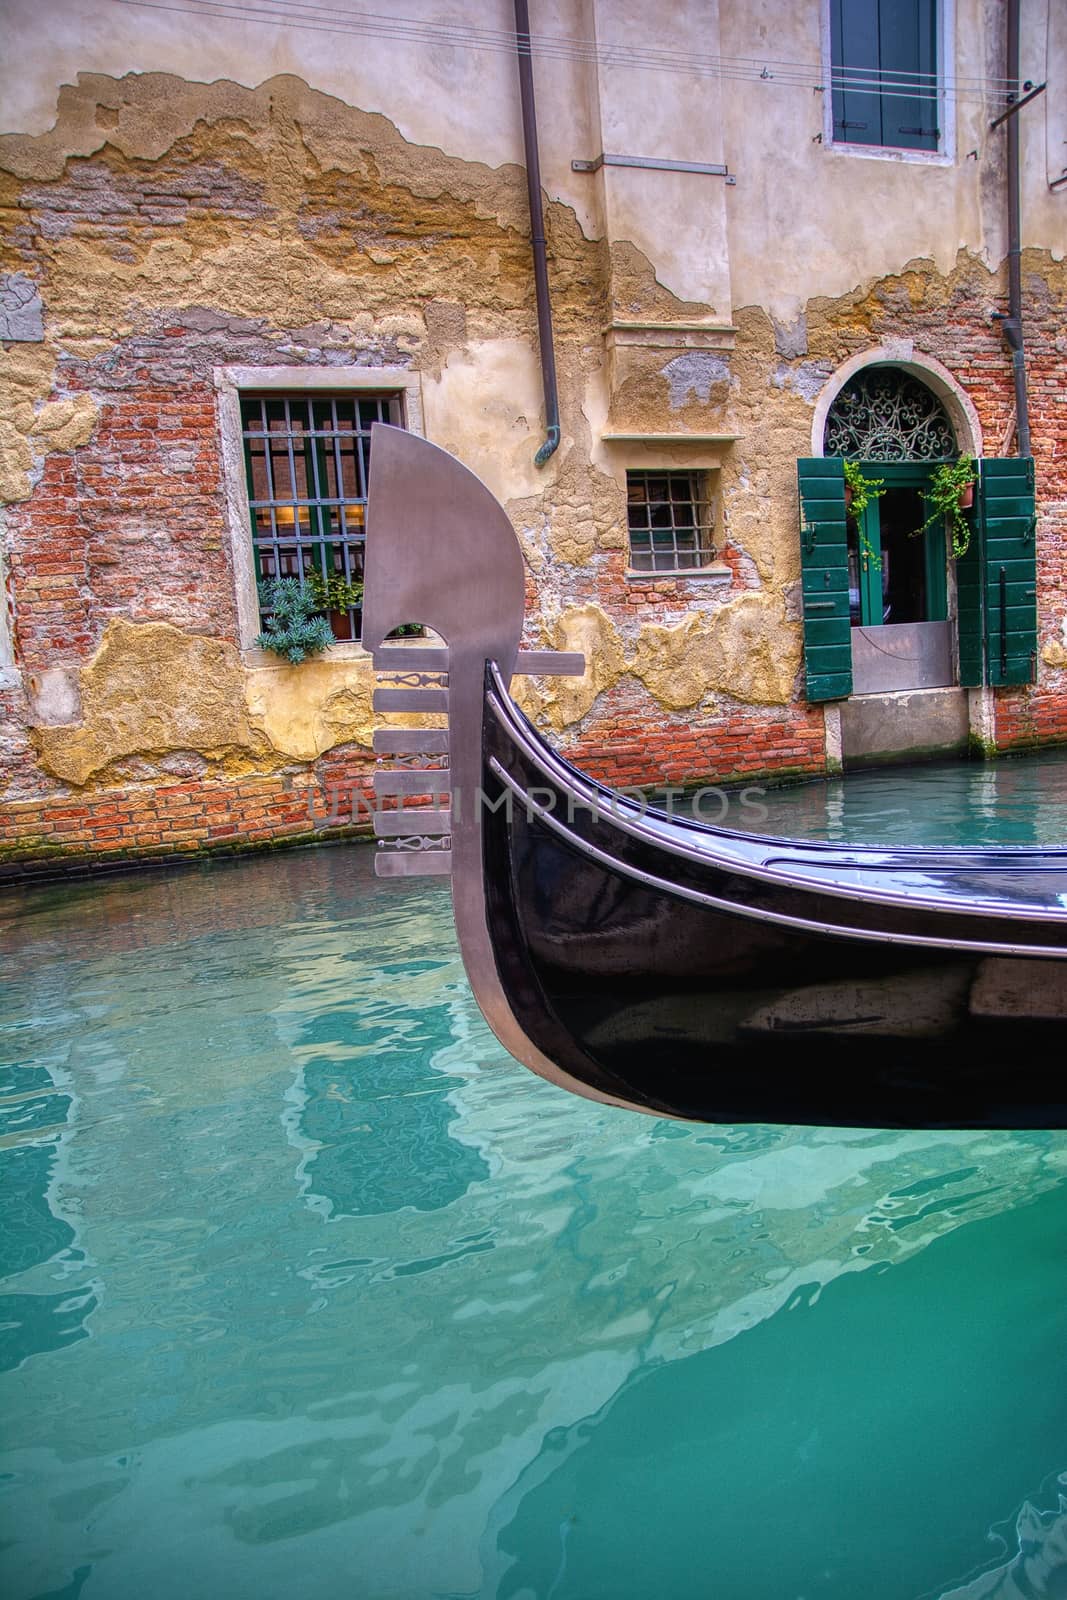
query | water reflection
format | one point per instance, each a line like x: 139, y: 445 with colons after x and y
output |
x: 1019, y: 801
x: 841, y: 1432
x: 372, y: 1113
x: 38, y: 1243
x: 1037, y: 1568
x: 385, y: 1315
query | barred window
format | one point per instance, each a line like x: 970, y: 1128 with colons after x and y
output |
x: 307, y: 458
x: 669, y: 515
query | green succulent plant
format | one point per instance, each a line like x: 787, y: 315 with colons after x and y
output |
x: 295, y: 627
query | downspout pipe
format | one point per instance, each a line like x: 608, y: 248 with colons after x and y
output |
x: 537, y: 231
x: 1012, y: 324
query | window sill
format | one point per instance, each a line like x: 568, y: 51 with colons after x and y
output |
x: 884, y: 152
x: 340, y: 650
x: 720, y: 573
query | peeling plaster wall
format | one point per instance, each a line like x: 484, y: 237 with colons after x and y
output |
x: 159, y: 222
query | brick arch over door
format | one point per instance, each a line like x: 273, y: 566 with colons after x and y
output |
x: 902, y: 356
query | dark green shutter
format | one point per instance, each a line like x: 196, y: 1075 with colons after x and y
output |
x: 884, y: 58
x: 970, y: 607
x: 1009, y: 568
x: 824, y: 578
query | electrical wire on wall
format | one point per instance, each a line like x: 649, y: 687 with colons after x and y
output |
x: 304, y: 15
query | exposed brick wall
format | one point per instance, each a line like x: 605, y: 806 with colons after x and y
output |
x: 186, y: 819
x: 754, y: 742
x: 1038, y: 714
x: 132, y: 525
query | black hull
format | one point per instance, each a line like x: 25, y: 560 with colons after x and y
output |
x: 725, y: 977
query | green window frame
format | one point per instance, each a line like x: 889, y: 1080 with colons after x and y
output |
x: 307, y: 461
x: 885, y: 75
x: 898, y: 475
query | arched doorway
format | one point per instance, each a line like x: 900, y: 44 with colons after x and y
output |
x: 898, y: 626
x: 896, y: 429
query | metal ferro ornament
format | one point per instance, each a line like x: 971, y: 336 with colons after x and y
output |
x: 671, y: 966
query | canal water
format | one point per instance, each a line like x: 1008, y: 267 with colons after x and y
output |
x: 308, y: 1290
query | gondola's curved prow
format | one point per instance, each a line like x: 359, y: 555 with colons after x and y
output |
x: 441, y: 552
x: 674, y: 967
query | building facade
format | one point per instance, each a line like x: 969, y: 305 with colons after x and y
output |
x: 777, y: 236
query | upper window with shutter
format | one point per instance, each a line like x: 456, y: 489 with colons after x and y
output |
x: 886, y: 88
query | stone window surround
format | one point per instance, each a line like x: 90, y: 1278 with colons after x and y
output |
x: 945, y: 155
x: 230, y: 383
x: 902, y: 353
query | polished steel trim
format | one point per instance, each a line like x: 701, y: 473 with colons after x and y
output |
x: 551, y: 663
x: 760, y: 914
x: 435, y: 700
x: 413, y: 864
x: 441, y: 551
x: 411, y: 741
x: 414, y: 780
x: 416, y: 819
x: 918, y: 860
x: 409, y: 658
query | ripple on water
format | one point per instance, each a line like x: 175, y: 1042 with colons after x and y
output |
x: 307, y: 1288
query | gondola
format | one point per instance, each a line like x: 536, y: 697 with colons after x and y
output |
x: 664, y: 964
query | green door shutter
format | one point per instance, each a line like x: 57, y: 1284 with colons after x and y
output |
x: 970, y: 608
x: 1009, y: 563
x: 824, y: 576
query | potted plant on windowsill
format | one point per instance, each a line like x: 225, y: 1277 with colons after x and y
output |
x: 950, y: 494
x: 336, y: 595
x: 295, y: 627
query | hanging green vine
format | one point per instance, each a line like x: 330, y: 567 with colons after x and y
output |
x: 860, y: 491
x: 948, y: 484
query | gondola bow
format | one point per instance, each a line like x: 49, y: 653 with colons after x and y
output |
x: 664, y: 964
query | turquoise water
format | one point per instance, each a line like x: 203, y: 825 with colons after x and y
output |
x: 309, y: 1290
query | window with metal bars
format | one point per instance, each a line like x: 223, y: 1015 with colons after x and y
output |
x: 669, y: 515
x: 307, y: 458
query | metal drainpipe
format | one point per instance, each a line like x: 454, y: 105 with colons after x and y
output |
x: 537, y: 231
x: 1012, y: 324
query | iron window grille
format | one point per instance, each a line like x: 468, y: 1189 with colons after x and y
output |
x: 885, y: 414
x: 307, y: 459
x: 670, y: 521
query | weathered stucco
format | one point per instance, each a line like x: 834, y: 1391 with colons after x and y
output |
x: 176, y: 223
x: 745, y: 649
x: 152, y: 690
x: 562, y: 702
x: 31, y: 425
x: 306, y: 710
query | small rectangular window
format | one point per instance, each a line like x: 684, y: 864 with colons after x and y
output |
x: 307, y: 459
x: 669, y: 516
x: 886, y: 89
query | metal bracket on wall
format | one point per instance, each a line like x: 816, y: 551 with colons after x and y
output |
x: 1018, y: 105
x: 655, y: 164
